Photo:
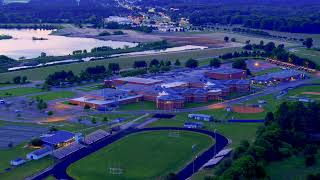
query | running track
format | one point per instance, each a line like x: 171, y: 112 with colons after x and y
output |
x: 59, y: 169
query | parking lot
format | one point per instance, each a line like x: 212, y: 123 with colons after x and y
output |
x: 15, y: 135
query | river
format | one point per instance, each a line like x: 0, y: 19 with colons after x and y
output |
x: 23, y: 45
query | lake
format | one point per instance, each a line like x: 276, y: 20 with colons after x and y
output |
x: 23, y: 45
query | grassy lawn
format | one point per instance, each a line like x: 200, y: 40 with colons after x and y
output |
x: 235, y: 131
x: 311, y: 54
x: 90, y: 88
x: 27, y: 169
x: 143, y: 105
x: 54, y: 95
x: 22, y: 171
x: 277, y: 69
x: 6, y: 85
x: 141, y: 156
x: 125, y: 62
x: 19, y: 91
x: 300, y: 92
x: 292, y: 168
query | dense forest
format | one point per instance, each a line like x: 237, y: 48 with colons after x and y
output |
x: 279, y: 15
x: 59, y: 11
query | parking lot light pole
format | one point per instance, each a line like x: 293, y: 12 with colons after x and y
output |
x: 215, y: 137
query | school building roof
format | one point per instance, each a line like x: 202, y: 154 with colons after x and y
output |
x: 226, y: 71
x: 58, y: 137
x: 139, y: 80
x: 41, y: 151
x: 170, y: 97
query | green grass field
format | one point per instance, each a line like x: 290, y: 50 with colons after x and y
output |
x: 54, y: 95
x: 19, y: 91
x: 143, y: 105
x: 6, y: 85
x: 125, y: 62
x: 308, y: 53
x: 26, y: 170
x: 90, y: 87
x: 146, y: 155
x: 267, y: 71
x: 292, y: 168
x: 300, y: 92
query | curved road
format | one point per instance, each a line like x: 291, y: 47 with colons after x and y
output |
x: 59, y: 169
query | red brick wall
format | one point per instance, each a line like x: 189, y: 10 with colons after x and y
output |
x: 213, y: 75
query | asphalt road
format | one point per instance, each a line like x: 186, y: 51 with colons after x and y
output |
x: 59, y: 169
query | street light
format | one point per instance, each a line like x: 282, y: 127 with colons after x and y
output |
x: 215, y: 137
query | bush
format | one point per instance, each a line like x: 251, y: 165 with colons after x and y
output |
x: 50, y: 113
x: 36, y: 142
x: 104, y: 33
x: 310, y: 160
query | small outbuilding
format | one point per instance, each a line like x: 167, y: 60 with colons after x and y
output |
x: 193, y: 125
x: 40, y: 153
x: 202, y: 117
x: 17, y: 162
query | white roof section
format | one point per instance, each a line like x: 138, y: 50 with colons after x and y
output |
x: 174, y: 84
x: 213, y: 161
x: 224, y: 152
x: 139, y: 80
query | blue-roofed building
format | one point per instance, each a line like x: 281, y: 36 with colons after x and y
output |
x: 202, y: 117
x: 193, y: 125
x: 17, y: 161
x: 59, y: 139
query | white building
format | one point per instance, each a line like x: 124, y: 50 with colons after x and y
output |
x: 40, y: 153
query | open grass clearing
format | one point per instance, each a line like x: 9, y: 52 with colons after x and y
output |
x: 125, y: 62
x: 143, y: 105
x: 19, y: 91
x: 267, y: 71
x: 146, y: 155
x: 311, y: 54
x: 90, y: 87
x: 54, y: 95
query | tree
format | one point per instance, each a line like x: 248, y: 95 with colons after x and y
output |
x: 269, y: 119
x: 215, y: 63
x: 233, y: 39
x: 17, y: 80
x: 114, y: 67
x: 105, y: 119
x: 191, y: 63
x: 308, y: 43
x: 310, y: 160
x: 177, y: 63
x: 168, y: 63
x: 154, y: 62
x: 93, y: 120
x: 240, y: 64
x: 154, y: 70
x: 161, y: 63
x: 24, y: 79
x: 226, y: 39
x: 36, y: 142
x: 171, y: 176
x: 140, y: 64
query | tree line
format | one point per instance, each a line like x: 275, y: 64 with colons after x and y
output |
x: 285, y: 133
